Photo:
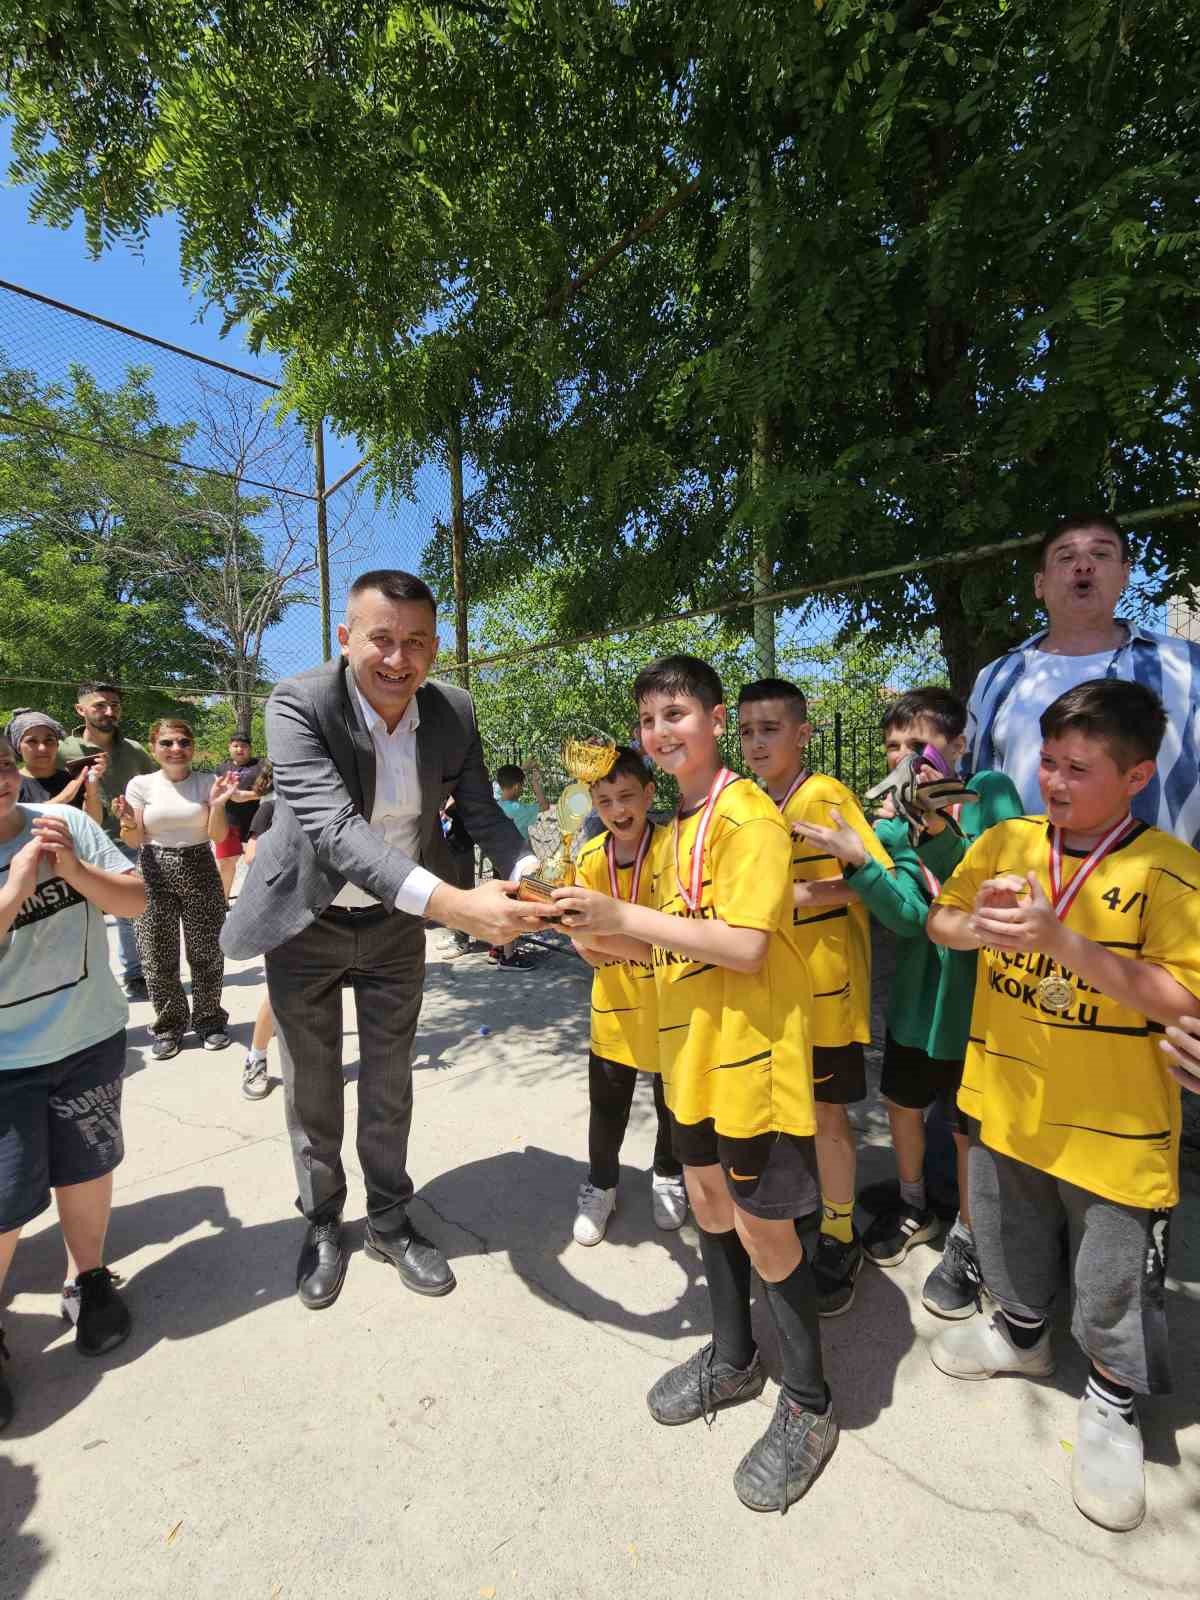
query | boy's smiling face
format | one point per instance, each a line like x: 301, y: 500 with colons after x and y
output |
x: 679, y: 734
x: 774, y: 739
x: 912, y: 739
x: 621, y: 804
x: 1084, y: 790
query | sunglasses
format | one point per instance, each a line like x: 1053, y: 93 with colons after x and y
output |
x: 173, y: 744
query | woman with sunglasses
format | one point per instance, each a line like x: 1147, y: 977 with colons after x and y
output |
x: 174, y: 816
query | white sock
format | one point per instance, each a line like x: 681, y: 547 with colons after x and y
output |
x: 913, y: 1194
x: 255, y: 1055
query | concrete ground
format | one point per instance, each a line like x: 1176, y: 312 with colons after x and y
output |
x: 496, y: 1444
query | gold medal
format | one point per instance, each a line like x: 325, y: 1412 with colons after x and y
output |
x: 1055, y: 993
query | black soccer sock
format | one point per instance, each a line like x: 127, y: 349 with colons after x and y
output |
x: 1109, y: 1392
x: 793, y: 1304
x: 727, y: 1268
x: 1023, y: 1331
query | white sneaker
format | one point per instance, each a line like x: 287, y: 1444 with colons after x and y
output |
x: 595, y: 1208
x: 668, y: 1198
x: 1108, y: 1479
x: 981, y: 1348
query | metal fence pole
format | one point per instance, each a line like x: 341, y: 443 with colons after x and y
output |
x: 837, y: 745
x: 322, y: 540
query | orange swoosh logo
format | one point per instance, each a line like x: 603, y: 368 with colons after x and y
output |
x: 743, y: 1177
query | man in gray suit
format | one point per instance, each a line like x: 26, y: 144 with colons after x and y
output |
x: 365, y: 753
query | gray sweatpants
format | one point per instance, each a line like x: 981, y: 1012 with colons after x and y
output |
x: 1118, y: 1258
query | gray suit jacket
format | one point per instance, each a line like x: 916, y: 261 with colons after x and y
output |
x: 321, y: 838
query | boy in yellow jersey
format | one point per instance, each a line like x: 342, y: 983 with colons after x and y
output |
x: 734, y: 1001
x: 624, y: 1014
x: 929, y: 1006
x: 1088, y: 927
x: 833, y: 932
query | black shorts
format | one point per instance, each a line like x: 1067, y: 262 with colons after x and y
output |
x: 59, y: 1124
x: 914, y: 1080
x: 839, y: 1074
x: 773, y: 1175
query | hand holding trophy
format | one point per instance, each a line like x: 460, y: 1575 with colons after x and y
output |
x: 552, y: 836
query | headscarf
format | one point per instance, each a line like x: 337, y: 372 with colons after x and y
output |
x: 23, y: 718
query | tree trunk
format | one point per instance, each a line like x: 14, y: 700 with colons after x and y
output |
x: 458, y: 536
x: 965, y: 644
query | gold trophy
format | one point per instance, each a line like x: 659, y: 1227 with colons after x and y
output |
x: 552, y: 836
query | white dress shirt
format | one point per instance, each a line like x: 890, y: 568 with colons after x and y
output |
x: 396, y: 814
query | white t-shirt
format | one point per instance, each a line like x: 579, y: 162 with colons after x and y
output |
x: 172, y: 813
x: 1016, y: 736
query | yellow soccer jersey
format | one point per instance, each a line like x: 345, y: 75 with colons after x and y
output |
x: 834, y: 940
x: 624, y: 1012
x: 735, y: 1046
x: 1084, y: 1095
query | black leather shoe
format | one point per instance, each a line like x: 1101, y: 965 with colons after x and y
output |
x: 321, y: 1270
x: 421, y: 1265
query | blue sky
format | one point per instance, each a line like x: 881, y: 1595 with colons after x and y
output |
x: 142, y: 289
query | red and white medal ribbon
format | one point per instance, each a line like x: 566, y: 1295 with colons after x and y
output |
x: 691, y: 897
x: 639, y: 861
x: 1063, y: 899
x: 798, y: 782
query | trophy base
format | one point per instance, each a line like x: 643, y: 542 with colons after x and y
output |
x: 532, y: 887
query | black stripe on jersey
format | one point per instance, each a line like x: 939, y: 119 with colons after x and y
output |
x: 1119, y: 944
x: 674, y: 1027
x: 1130, y: 838
x: 1095, y: 1027
x: 821, y: 916
x: 829, y: 994
x: 1002, y: 1055
x: 1167, y: 873
x: 614, y: 1011
x: 709, y: 966
x: 728, y: 1066
x: 1109, y: 1133
x: 800, y: 861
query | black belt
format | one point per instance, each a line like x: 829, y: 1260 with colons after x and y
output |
x: 355, y: 913
x: 177, y: 849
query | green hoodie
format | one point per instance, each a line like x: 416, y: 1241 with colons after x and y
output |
x: 929, y: 1006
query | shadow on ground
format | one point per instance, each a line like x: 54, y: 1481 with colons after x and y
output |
x: 22, y: 1555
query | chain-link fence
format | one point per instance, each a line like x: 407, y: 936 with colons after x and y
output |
x: 166, y: 524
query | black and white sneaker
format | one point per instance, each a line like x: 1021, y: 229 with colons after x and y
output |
x: 954, y: 1288
x: 835, y: 1267
x: 70, y: 1300
x: 104, y: 1320
x: 889, y: 1238
x: 256, y: 1081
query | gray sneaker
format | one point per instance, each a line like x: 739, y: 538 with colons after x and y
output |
x: 954, y: 1288
x: 701, y: 1386
x: 789, y: 1458
x: 216, y: 1039
x: 256, y: 1083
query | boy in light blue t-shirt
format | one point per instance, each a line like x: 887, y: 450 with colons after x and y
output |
x: 64, y: 1046
x: 510, y: 782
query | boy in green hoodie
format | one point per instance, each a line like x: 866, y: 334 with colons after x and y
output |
x: 929, y: 1007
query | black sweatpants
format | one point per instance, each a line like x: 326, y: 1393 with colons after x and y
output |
x: 610, y: 1093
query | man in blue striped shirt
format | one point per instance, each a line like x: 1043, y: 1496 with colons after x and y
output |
x: 1083, y: 567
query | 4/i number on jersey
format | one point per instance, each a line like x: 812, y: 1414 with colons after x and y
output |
x: 1114, y: 897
